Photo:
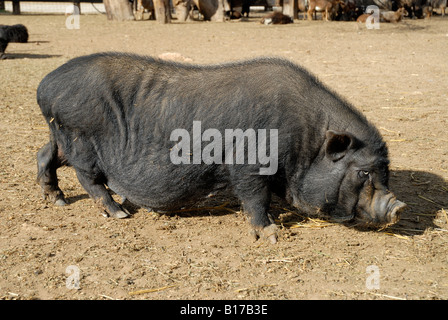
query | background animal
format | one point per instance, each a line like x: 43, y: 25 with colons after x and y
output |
x: 363, y: 18
x: 328, y: 8
x: 14, y: 33
x: 276, y: 18
x: 141, y: 6
x: 393, y: 16
x: 435, y: 4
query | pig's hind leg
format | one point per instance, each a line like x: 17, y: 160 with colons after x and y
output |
x: 49, y: 159
x: 98, y: 192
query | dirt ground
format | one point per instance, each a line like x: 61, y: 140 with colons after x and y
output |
x: 397, y: 76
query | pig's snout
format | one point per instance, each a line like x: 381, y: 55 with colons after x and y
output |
x: 382, y: 209
x: 394, y: 210
x: 387, y: 208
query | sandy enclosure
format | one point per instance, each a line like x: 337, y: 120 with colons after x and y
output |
x: 397, y: 76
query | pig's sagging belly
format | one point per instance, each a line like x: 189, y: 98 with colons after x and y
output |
x: 164, y: 188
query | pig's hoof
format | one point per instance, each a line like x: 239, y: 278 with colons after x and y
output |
x: 120, y: 214
x: 60, y: 202
x: 54, y: 196
x: 269, y: 233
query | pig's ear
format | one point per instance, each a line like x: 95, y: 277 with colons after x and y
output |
x: 338, y: 144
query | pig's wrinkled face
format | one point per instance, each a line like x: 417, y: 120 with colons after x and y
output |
x: 350, y: 182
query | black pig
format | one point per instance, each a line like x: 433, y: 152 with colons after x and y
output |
x: 15, y: 33
x: 112, y: 116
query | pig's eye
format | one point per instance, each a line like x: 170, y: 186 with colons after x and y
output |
x: 363, y: 174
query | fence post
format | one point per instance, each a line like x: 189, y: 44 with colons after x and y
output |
x: 15, y: 6
x: 77, y: 3
x: 120, y: 10
x: 290, y: 8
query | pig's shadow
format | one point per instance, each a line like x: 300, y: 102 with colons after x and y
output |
x: 425, y: 195
x: 221, y: 204
x: 11, y: 56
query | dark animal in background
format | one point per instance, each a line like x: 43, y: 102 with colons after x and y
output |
x: 15, y: 33
x: 348, y: 11
x: 112, y: 115
x: 233, y: 15
x: 276, y: 18
x: 245, y: 10
x: 413, y: 7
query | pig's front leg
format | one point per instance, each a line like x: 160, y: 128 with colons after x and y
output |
x: 256, y: 197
